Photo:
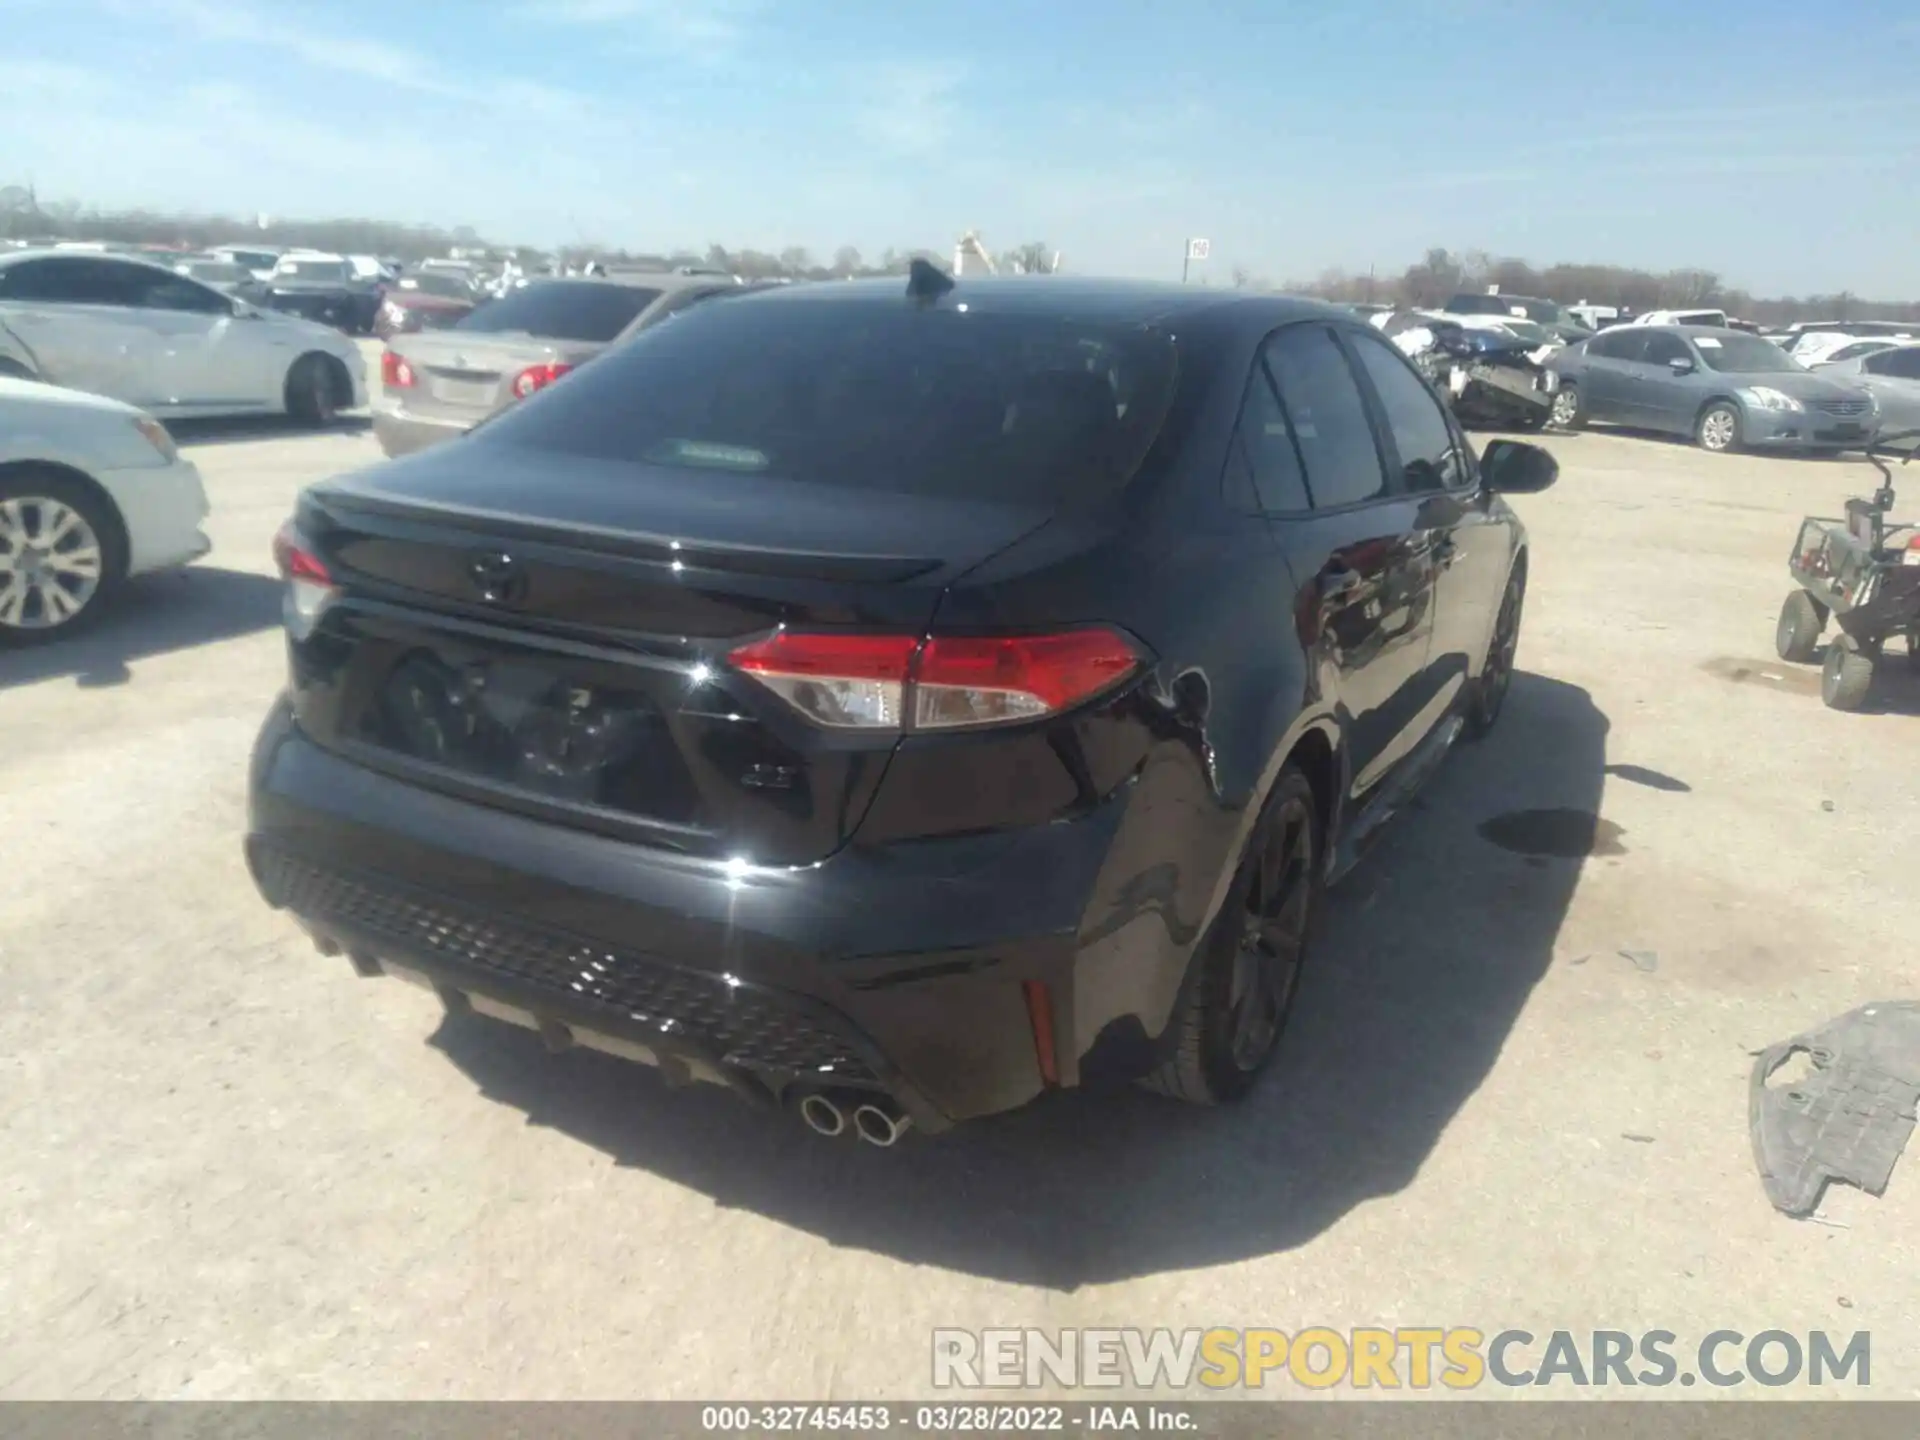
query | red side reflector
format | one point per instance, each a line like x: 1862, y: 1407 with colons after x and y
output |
x: 1040, y: 1012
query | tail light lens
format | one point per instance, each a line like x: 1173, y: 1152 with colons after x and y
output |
x: 895, y: 682
x: 537, y: 377
x: 1912, y: 557
x: 395, y: 372
x: 310, y: 587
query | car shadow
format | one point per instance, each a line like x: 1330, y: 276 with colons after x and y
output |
x: 1429, y: 953
x: 240, y: 429
x: 1685, y: 442
x: 152, y: 615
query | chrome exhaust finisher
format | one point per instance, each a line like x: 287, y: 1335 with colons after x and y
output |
x: 822, y: 1115
x: 880, y: 1127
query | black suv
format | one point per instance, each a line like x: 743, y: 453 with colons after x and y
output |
x: 892, y: 701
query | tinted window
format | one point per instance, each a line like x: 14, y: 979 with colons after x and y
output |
x: 1414, y: 417
x: 447, y: 287
x: 1622, y: 344
x: 1329, y: 418
x: 1903, y: 364
x: 68, y: 282
x: 1859, y: 348
x: 563, y: 310
x: 866, y: 396
x: 1479, y: 305
x: 158, y: 290
x: 1663, y: 347
x: 1264, y: 467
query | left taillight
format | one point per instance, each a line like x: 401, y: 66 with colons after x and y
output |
x: 395, y: 372
x: 310, y: 587
x: 537, y: 377
x: 899, y: 682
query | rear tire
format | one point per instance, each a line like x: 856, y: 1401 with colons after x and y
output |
x: 1718, y: 428
x: 1846, y: 677
x: 313, y: 390
x: 1567, y: 412
x: 62, y: 556
x: 1246, y: 970
x: 1489, y: 694
x: 1797, y: 636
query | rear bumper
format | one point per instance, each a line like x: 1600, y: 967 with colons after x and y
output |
x: 400, y: 432
x: 905, y: 969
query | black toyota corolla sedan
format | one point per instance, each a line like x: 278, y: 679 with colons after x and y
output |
x: 892, y: 700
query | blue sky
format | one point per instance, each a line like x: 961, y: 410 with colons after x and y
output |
x: 1777, y: 143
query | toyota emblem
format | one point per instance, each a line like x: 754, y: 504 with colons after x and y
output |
x: 497, y: 577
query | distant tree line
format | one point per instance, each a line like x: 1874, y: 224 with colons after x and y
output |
x: 1444, y: 273
x: 1429, y: 281
x: 24, y: 217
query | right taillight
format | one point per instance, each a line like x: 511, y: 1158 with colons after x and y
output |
x: 395, y: 372
x: 1912, y: 557
x: 310, y: 587
x: 898, y: 682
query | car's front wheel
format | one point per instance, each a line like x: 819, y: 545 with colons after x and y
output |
x: 59, y: 556
x: 1718, y: 428
x: 1247, y: 969
x: 1567, y: 413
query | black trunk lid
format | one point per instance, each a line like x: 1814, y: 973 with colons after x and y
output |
x: 549, y: 634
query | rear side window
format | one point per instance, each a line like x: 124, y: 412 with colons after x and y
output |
x: 1663, y: 348
x: 1624, y: 343
x: 1264, y: 471
x: 869, y: 396
x: 1897, y: 364
x: 1330, y: 426
x: 66, y: 282
x: 1414, y: 418
x: 587, y: 311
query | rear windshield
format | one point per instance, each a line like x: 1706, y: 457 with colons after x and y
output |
x: 447, y: 287
x: 1027, y: 408
x: 583, y: 310
x: 315, y: 269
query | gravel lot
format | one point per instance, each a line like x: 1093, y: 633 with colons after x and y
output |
x: 234, y: 1170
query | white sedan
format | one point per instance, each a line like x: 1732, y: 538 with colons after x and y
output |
x: 91, y: 491
x: 141, y: 333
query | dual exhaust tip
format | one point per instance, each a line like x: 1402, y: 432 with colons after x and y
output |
x: 877, y: 1124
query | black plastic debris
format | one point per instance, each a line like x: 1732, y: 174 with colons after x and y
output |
x: 1849, y: 1118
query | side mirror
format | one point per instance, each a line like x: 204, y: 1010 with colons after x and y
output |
x: 1513, y: 467
x: 1680, y: 365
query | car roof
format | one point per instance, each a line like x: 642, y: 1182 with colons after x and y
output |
x: 1114, y: 301
x: 17, y: 257
x: 639, y: 279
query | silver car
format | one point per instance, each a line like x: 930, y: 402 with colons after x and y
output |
x: 1892, y: 377
x: 141, y: 334
x: 440, y: 384
x: 1725, y: 388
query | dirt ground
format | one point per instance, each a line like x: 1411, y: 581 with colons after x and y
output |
x: 230, y: 1169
